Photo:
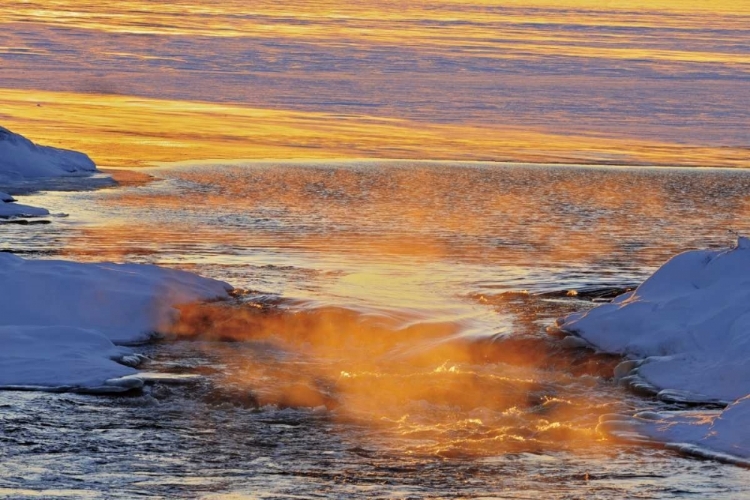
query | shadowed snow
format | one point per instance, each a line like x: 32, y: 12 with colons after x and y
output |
x: 689, y: 327
x: 59, y: 320
x: 22, y: 159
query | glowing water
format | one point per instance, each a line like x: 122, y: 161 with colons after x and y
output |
x: 545, y: 80
x: 391, y: 339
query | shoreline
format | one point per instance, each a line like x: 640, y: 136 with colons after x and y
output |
x: 133, y: 178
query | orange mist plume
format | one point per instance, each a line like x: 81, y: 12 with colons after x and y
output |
x: 412, y: 382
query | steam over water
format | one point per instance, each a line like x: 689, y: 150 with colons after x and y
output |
x: 388, y: 338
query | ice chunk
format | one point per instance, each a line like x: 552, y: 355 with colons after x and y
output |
x: 17, y: 210
x: 720, y: 435
x: 691, y: 319
x: 687, y: 332
x: 59, y: 321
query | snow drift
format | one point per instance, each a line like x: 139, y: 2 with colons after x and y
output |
x: 11, y: 209
x: 59, y: 358
x: 60, y: 321
x: 21, y: 159
x: 687, y: 330
x: 25, y: 166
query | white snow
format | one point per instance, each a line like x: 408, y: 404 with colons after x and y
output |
x: 11, y: 209
x: 689, y: 327
x: 58, y: 357
x: 718, y: 435
x: 59, y: 320
x: 21, y: 159
x: 25, y: 166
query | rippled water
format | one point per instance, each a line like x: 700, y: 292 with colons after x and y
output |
x: 389, y: 338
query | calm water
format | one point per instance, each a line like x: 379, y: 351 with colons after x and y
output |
x: 673, y: 72
x: 633, y: 81
x: 389, y: 337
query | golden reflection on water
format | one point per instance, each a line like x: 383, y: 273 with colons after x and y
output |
x: 383, y: 341
x: 401, y: 365
x: 416, y: 386
x: 308, y: 18
x: 548, y: 80
x: 130, y: 131
x: 436, y: 213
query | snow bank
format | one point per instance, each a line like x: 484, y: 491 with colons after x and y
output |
x: 21, y: 159
x: 11, y: 209
x: 688, y: 327
x: 715, y: 435
x: 125, y: 302
x: 690, y: 322
x: 59, y: 321
x: 41, y: 357
x: 25, y: 166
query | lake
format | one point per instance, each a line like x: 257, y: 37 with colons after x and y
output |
x: 387, y: 338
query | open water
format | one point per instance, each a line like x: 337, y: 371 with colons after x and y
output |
x: 387, y: 339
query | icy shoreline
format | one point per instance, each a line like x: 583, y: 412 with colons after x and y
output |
x: 24, y: 164
x: 686, y: 333
x: 63, y: 325
x: 22, y: 159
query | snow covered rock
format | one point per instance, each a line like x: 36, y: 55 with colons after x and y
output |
x: 22, y: 159
x: 60, y: 321
x: 11, y: 209
x: 690, y: 322
x: 60, y: 358
x: 718, y: 435
x: 687, y: 332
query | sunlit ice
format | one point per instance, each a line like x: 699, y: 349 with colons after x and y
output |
x: 121, y: 131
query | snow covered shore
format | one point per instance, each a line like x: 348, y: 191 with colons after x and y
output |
x: 23, y: 163
x: 60, y: 321
x: 22, y: 159
x: 686, y: 331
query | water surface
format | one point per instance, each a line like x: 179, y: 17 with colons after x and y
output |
x: 388, y: 340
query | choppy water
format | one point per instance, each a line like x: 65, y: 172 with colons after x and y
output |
x: 390, y: 339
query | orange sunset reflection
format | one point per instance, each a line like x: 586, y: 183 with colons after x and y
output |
x: 407, y: 381
x: 125, y: 132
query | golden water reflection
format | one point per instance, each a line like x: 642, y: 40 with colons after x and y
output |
x: 125, y: 131
x: 437, y: 212
x: 418, y: 388
x: 405, y: 312
x: 549, y: 80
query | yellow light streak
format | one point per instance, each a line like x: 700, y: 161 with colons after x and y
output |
x: 129, y: 131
